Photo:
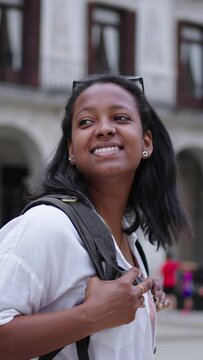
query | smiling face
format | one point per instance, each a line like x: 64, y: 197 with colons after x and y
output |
x: 107, y: 136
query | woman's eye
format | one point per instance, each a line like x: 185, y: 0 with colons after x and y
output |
x: 85, y: 122
x: 121, y: 117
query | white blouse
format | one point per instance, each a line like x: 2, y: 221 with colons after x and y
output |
x: 44, y: 267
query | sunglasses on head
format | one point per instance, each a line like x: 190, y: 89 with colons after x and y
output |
x: 135, y: 79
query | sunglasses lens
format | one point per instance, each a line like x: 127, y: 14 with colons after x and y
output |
x: 140, y: 85
x: 137, y: 80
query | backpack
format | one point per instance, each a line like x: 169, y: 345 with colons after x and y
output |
x: 98, y: 242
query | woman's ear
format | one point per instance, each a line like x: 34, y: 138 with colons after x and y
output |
x: 147, y: 147
x: 69, y: 143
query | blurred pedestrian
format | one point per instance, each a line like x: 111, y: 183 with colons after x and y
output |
x: 169, y: 273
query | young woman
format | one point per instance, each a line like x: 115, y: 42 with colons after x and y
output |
x: 115, y: 154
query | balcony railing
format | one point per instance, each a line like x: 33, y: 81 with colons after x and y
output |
x: 50, y: 73
x: 58, y: 74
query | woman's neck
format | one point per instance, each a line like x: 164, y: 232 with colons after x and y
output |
x: 111, y: 205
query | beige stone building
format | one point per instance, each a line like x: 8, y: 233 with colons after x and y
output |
x: 46, y: 44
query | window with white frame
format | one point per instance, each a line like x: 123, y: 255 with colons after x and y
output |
x: 19, y: 41
x: 11, y: 15
x: 190, y: 65
x: 111, y: 40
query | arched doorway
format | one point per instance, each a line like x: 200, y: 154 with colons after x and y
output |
x: 191, y: 171
x: 20, y: 160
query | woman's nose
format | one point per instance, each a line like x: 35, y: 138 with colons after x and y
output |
x: 105, y: 130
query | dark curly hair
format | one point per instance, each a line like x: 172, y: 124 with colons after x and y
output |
x: 154, y: 202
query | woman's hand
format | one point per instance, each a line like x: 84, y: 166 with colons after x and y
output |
x: 159, y: 296
x: 114, y: 303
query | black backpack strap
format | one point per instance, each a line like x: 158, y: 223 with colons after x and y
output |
x: 143, y: 256
x: 82, y: 348
x: 101, y: 237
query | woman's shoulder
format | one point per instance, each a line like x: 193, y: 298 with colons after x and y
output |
x: 42, y: 224
x: 46, y: 213
x: 49, y: 220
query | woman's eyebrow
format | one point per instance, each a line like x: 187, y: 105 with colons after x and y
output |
x: 86, y: 108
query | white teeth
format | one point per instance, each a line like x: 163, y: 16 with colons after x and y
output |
x: 105, y: 149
